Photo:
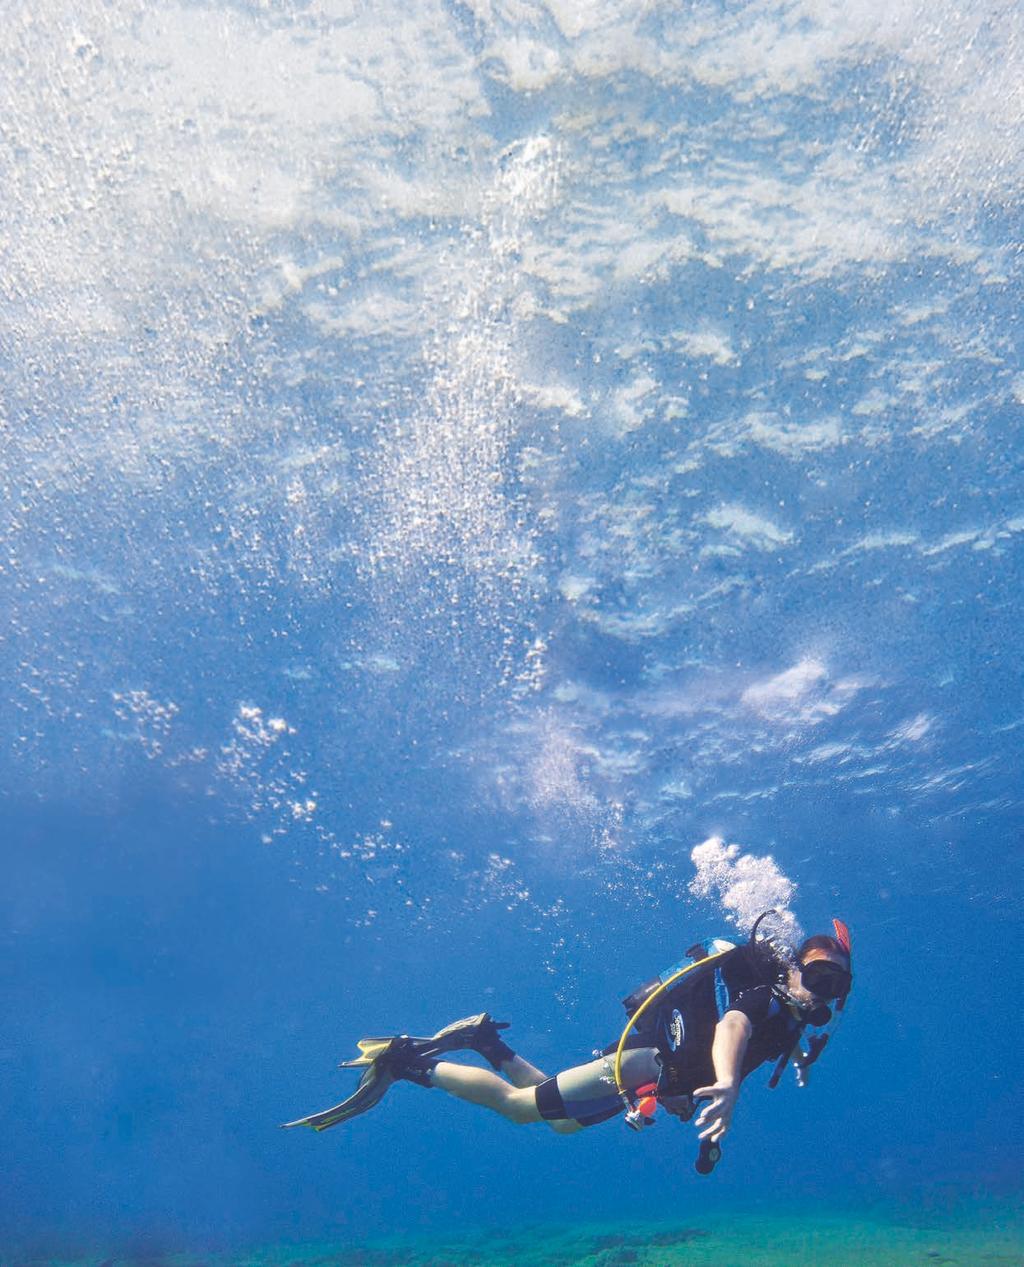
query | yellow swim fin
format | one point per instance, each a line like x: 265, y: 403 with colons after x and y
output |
x: 369, y: 1050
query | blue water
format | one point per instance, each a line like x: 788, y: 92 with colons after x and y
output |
x: 457, y: 460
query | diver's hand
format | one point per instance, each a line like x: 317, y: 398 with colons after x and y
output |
x: 716, y: 1115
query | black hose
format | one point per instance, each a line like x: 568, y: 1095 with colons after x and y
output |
x: 757, y: 922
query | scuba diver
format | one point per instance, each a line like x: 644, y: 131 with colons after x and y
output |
x: 694, y: 1034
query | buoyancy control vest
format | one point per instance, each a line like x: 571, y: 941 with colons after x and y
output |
x: 677, y: 1013
x: 681, y: 1022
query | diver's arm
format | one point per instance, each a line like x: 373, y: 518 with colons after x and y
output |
x: 732, y: 1033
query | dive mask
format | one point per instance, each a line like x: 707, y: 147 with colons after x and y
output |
x: 825, y: 979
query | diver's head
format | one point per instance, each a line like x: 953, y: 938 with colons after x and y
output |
x: 825, y: 964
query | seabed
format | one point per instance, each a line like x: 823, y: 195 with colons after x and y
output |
x: 994, y: 1240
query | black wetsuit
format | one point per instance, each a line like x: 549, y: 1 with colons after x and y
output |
x: 678, y: 1032
x: 743, y: 982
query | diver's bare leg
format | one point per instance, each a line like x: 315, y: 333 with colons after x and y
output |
x: 486, y: 1088
x: 519, y: 1104
x: 521, y: 1073
x: 481, y: 1086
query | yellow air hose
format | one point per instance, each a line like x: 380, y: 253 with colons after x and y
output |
x: 623, y: 1093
